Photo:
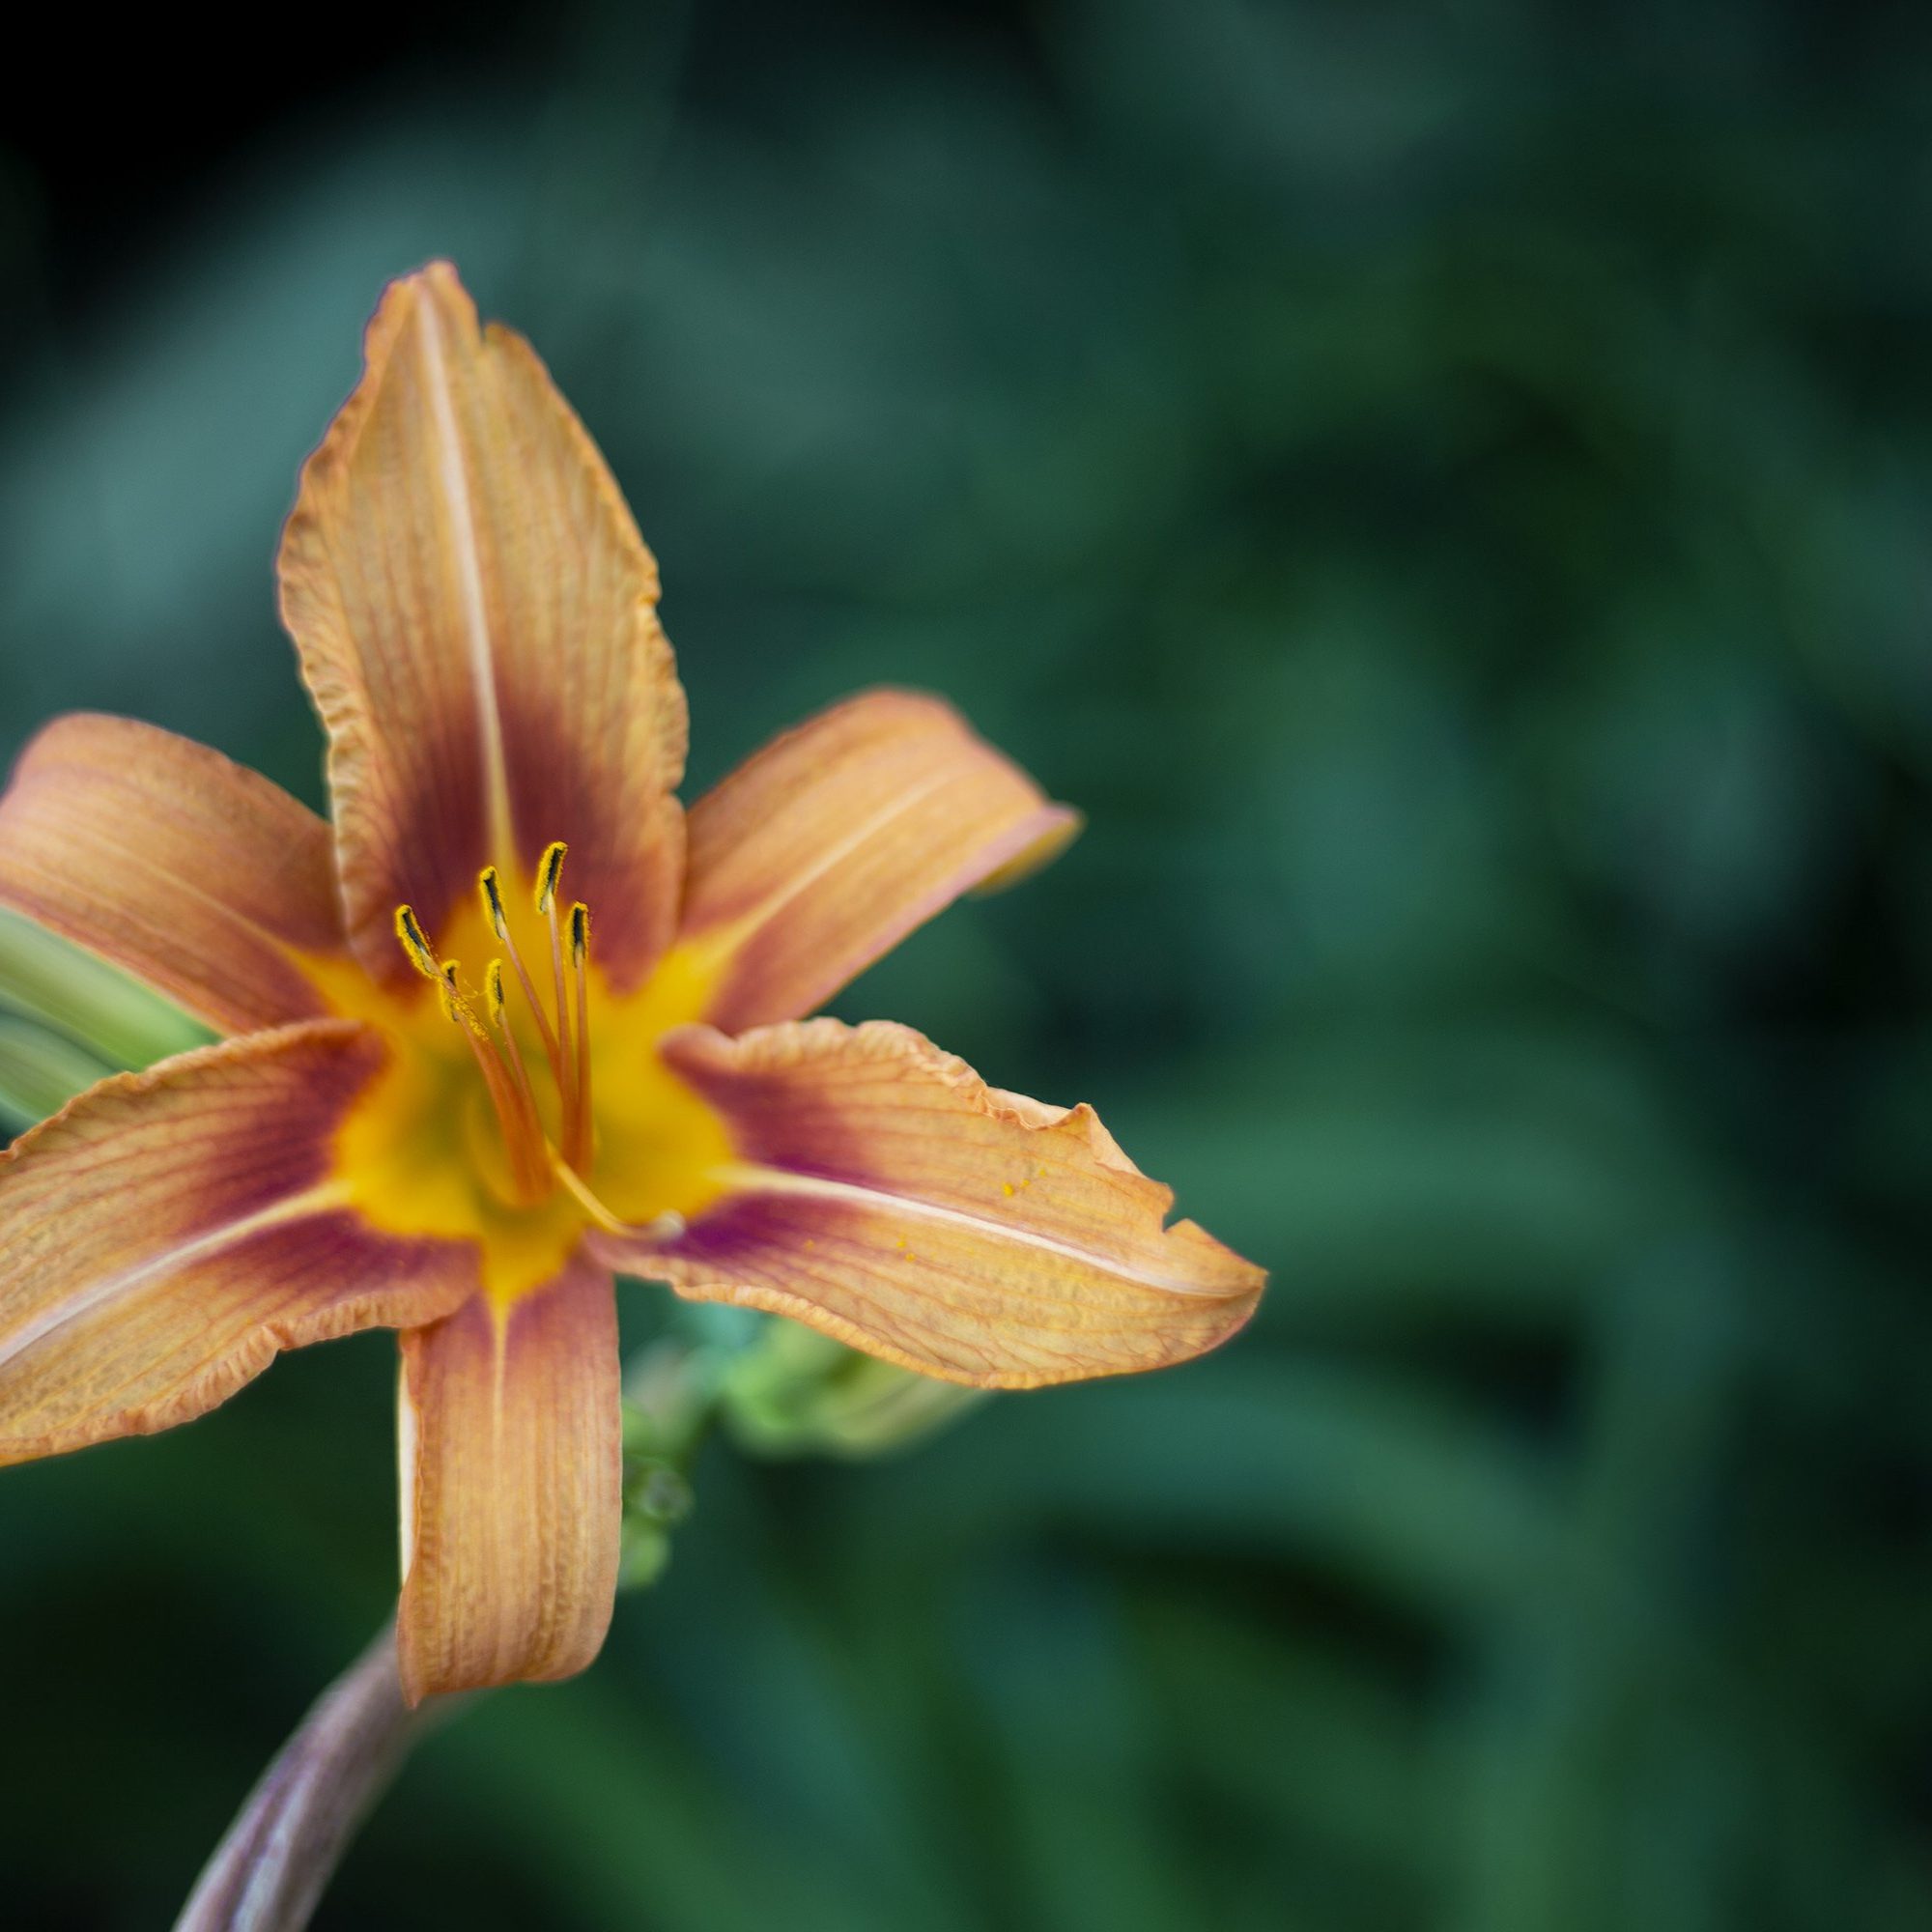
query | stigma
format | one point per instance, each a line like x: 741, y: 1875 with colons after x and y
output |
x: 545, y: 1125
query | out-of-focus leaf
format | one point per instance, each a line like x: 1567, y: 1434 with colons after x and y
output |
x: 108, y: 1016
x: 40, y: 1071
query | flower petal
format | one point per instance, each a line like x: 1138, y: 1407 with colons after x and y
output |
x: 196, y: 874
x: 512, y: 1477
x: 826, y: 848
x: 889, y: 1198
x: 476, y: 617
x: 167, y: 1232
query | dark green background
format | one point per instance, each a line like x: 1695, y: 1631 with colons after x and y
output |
x: 1449, y: 491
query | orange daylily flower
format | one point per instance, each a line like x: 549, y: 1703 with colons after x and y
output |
x: 514, y: 1022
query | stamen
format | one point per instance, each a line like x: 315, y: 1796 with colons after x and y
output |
x: 452, y: 1000
x: 492, y: 911
x: 516, y: 1117
x: 492, y: 901
x: 536, y: 1165
x: 567, y: 1074
x: 415, y: 943
x: 513, y: 1054
x: 549, y: 869
x: 580, y: 952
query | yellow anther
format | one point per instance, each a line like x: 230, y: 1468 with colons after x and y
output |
x: 415, y: 943
x: 492, y: 983
x: 549, y: 870
x: 580, y: 932
x: 492, y: 900
x: 455, y: 1008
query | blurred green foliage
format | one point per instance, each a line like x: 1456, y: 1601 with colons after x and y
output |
x: 1449, y: 492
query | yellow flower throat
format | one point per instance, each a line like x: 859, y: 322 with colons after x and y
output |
x: 500, y: 1119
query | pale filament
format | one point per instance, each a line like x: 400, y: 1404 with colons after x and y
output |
x: 492, y: 911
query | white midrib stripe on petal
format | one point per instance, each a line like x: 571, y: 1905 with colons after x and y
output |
x: 71, y: 1308
x: 455, y: 481
x: 751, y: 1179
x: 826, y: 857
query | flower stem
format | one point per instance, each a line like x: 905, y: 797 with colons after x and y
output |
x: 269, y: 1872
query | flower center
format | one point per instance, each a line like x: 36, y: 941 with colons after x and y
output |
x: 535, y: 1164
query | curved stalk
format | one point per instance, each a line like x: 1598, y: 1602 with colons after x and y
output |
x: 270, y: 1869
x: 788, y: 1392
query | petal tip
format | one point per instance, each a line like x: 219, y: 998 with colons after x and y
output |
x: 1053, y: 830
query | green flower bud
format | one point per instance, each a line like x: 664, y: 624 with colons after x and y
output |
x: 798, y: 1393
